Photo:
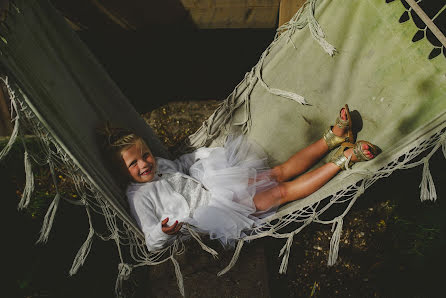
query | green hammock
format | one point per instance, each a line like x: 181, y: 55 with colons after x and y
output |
x: 329, y: 54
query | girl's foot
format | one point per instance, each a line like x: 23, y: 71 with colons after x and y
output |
x: 361, y: 151
x: 340, y: 132
x: 365, y: 149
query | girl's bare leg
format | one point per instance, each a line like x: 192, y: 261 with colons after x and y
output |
x: 305, y: 158
x: 303, y: 185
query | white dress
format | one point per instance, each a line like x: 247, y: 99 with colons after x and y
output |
x: 211, y: 189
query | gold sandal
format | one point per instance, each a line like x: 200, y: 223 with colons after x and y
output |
x: 333, y: 140
x: 339, y: 159
x: 358, y: 151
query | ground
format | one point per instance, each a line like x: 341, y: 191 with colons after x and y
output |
x: 391, y: 244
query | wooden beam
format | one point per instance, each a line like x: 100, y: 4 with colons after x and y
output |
x: 288, y: 9
x: 5, y: 118
x: 115, y: 18
x: 212, y: 14
x: 228, y: 3
x: 235, y: 17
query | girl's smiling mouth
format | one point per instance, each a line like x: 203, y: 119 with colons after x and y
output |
x: 148, y: 171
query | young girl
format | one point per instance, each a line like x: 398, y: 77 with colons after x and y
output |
x: 225, y: 190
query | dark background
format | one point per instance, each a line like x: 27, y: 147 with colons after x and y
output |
x: 167, y: 58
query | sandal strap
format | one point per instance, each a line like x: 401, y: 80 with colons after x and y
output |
x: 338, y: 157
x: 358, y: 151
x: 346, y: 124
x: 332, y: 140
x: 340, y: 161
x: 341, y: 123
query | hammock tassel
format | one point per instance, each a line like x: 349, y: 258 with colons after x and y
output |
x: 282, y: 93
x: 290, y: 95
x: 29, y: 185
x: 82, y: 253
x: 317, y: 32
x: 178, y: 275
x: 334, y: 243
x: 48, y: 220
x: 234, y: 258
x: 427, y: 184
x: 11, y: 141
x: 124, y: 271
x: 206, y: 248
x: 285, y: 251
x: 15, y: 130
x: 85, y: 248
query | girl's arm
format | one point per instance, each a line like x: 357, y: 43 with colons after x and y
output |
x: 151, y: 225
x: 155, y: 237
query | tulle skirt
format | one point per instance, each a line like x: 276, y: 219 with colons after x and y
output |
x: 233, y: 174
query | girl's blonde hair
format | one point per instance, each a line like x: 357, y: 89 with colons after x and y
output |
x: 115, y: 140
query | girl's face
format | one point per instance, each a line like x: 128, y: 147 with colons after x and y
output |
x: 139, y: 162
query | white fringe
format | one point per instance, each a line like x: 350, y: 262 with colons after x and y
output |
x: 48, y: 220
x: 427, y: 185
x: 285, y: 251
x: 15, y: 131
x: 124, y: 271
x: 29, y: 184
x: 287, y: 94
x: 317, y: 32
x: 334, y: 243
x: 206, y: 248
x: 11, y: 141
x: 178, y: 275
x: 234, y: 258
x: 82, y: 254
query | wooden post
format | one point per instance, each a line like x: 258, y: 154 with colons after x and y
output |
x: 5, y: 118
x: 288, y: 9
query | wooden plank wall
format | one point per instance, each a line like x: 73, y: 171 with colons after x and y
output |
x: 204, y: 14
x: 213, y: 14
x: 288, y: 9
x: 5, y: 118
x: 241, y: 13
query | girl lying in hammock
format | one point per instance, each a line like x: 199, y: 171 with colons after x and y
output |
x: 225, y: 190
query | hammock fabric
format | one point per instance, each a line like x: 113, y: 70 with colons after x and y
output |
x: 363, y: 57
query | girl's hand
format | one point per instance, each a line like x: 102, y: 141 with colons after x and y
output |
x: 170, y: 230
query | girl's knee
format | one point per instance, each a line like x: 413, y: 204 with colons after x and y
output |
x: 277, y: 173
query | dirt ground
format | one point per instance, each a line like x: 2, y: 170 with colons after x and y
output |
x: 392, y: 245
